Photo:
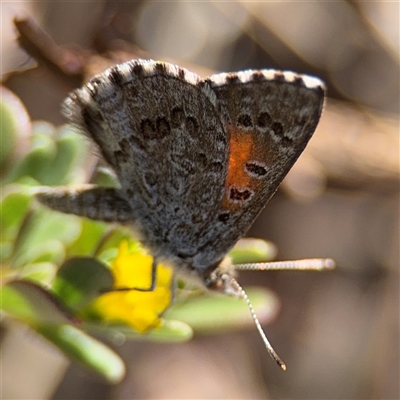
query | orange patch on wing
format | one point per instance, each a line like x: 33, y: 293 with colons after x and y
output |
x: 242, y: 148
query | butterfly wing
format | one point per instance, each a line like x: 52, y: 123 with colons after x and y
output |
x: 270, y: 117
x: 161, y: 132
x: 196, y: 160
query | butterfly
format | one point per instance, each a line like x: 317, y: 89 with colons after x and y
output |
x: 196, y: 159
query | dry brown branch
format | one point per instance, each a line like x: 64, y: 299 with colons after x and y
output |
x: 68, y: 65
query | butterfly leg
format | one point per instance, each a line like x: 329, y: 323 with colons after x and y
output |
x: 153, y: 278
x: 98, y: 203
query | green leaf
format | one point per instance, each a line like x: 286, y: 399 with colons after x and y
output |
x: 37, y: 161
x: 88, y: 351
x: 44, y: 237
x: 14, y: 126
x: 171, y: 331
x: 113, y: 240
x: 105, y: 177
x: 55, y: 225
x: 52, y: 251
x: 71, y: 149
x: 6, y: 249
x: 250, y: 250
x: 80, y: 280
x: 8, y: 131
x: 41, y: 272
x: 218, y: 312
x: 13, y: 207
x: 39, y: 309
x: 31, y: 303
x: 91, y: 234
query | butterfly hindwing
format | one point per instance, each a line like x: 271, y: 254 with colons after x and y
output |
x: 270, y: 117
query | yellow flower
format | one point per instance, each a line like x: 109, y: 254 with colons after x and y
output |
x: 140, y: 310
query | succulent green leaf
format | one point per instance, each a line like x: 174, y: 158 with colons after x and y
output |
x: 70, y: 155
x: 41, y: 272
x: 88, y: 351
x: 80, y: 280
x: 91, y: 234
x: 40, y: 310
x: 219, y: 312
x: 31, y: 304
x: 14, y: 126
x: 37, y: 161
x: 170, y: 331
x: 250, y: 250
x: 13, y: 206
x: 44, y: 237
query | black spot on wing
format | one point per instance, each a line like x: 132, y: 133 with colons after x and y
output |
x: 224, y: 216
x: 240, y: 195
x: 256, y: 170
x: 163, y: 128
x: 192, y: 126
x: 177, y: 117
x: 244, y: 121
x: 157, y: 130
x: 264, y: 120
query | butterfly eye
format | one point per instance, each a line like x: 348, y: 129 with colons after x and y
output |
x: 214, y: 282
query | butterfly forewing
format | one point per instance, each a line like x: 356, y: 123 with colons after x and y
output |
x: 162, y: 134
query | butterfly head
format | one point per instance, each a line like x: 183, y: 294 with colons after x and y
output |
x: 222, y: 279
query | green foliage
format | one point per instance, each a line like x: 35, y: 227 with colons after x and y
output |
x: 80, y: 280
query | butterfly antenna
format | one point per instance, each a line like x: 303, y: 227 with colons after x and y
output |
x: 314, y: 264
x: 270, y: 349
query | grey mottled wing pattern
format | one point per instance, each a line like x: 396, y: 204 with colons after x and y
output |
x: 197, y: 160
x: 162, y: 134
x: 270, y: 117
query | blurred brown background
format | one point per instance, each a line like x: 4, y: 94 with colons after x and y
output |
x: 338, y: 332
